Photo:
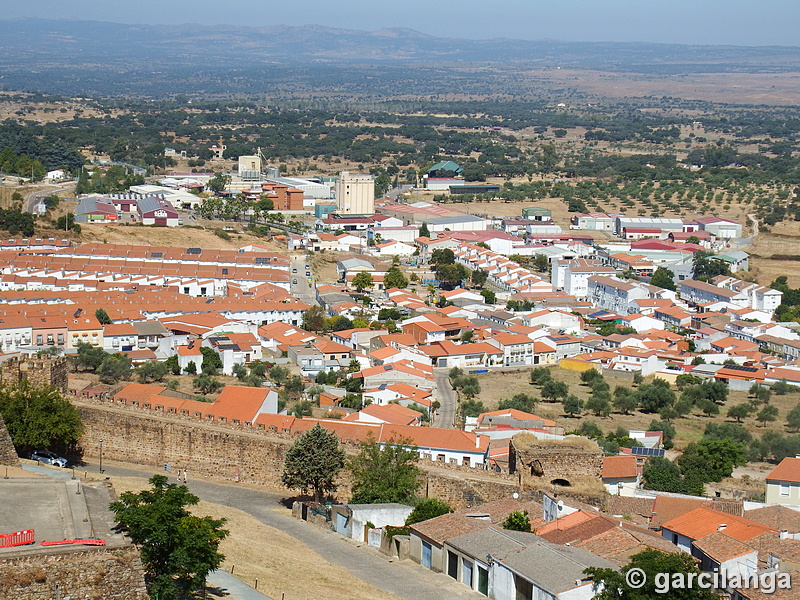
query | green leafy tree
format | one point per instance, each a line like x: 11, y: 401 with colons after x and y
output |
x: 781, y: 388
x: 428, y: 508
x: 114, y: 368
x: 793, y: 418
x: 362, y: 281
x: 313, y: 319
x: 553, y: 390
x: 151, y: 371
x: 489, y: 297
x: 625, y: 399
x: 521, y: 401
x: 517, y: 521
x: 706, y: 266
x: 302, y: 409
x: 385, y: 472
x: 102, y: 316
x: 39, y: 417
x: 767, y: 415
x: 667, y: 430
x: 451, y: 275
x: 89, y: 357
x: 708, y: 407
x: 740, y: 411
x: 479, y: 277
x: 207, y: 384
x: 711, y: 460
x: 313, y: 463
x: 424, y: 231
x: 191, y: 368
x: 541, y: 263
x: 541, y: 375
x: 173, y: 365
x: 472, y: 408
x: 395, y: 279
x: 573, y: 406
x: 212, y: 361
x: 763, y: 395
x: 218, y: 183
x: 599, y: 404
x: 239, y: 371
x: 178, y: 549
x: 590, y: 375
x: 611, y: 584
x: 653, y: 397
x: 662, y: 474
x: 443, y: 256
x: 663, y: 278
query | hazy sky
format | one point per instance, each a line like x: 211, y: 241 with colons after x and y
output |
x: 736, y: 22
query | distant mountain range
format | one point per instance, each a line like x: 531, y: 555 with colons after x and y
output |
x: 45, y: 54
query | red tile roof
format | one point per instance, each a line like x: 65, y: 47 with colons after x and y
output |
x: 619, y: 467
x: 701, y: 522
x: 788, y: 470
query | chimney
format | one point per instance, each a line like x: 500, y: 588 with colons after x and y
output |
x: 477, y: 440
x: 721, y: 527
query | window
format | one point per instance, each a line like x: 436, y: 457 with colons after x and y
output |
x: 483, y: 581
x: 39, y: 340
x: 452, y: 564
x: 784, y: 490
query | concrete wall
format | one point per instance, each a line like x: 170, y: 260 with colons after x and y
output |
x: 102, y: 573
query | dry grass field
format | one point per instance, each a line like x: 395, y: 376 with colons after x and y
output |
x: 496, y: 387
x: 281, y: 563
x: 171, y: 236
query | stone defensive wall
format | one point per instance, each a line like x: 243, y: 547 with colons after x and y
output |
x: 243, y: 454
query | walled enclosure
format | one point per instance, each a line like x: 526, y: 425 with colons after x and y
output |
x: 240, y: 453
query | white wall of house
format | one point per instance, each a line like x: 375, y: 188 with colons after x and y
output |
x: 783, y: 492
x: 11, y: 338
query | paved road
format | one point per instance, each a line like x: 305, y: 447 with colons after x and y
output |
x: 232, y: 588
x: 402, y: 578
x: 34, y: 198
x: 302, y: 290
x: 445, y: 418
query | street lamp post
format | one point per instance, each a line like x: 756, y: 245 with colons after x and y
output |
x: 101, y: 456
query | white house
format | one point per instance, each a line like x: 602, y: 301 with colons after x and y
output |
x: 614, y: 294
x: 392, y: 248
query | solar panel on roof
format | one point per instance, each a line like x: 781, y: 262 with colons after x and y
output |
x: 194, y: 251
x: 741, y: 368
x: 261, y: 260
x: 157, y: 254
x: 648, y: 451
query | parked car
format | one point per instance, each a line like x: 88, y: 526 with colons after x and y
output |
x: 49, y: 458
x: 308, y: 273
x: 294, y: 281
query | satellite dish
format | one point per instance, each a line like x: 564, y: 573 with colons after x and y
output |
x: 515, y: 495
x: 560, y: 504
